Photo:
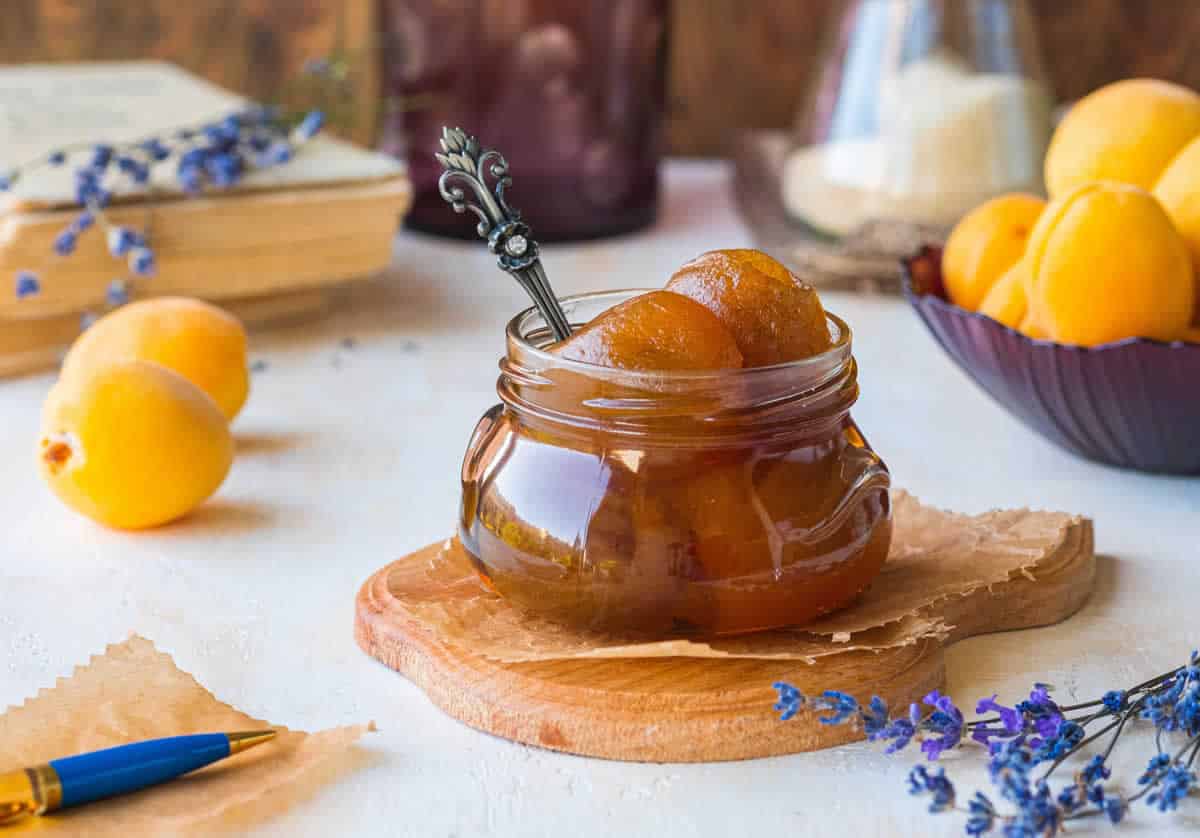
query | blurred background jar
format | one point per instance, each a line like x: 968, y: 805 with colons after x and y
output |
x: 570, y: 91
x: 919, y: 111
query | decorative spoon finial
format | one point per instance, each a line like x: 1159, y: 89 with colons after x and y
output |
x: 507, y: 236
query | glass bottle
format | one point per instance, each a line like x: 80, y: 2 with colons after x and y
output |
x: 919, y: 111
x: 572, y: 91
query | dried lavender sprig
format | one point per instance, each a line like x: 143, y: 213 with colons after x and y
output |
x: 1038, y: 731
x: 217, y: 153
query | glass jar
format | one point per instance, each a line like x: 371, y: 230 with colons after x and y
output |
x: 571, y: 92
x: 920, y: 110
x: 673, y: 503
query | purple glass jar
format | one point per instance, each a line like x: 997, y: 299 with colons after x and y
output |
x: 570, y: 91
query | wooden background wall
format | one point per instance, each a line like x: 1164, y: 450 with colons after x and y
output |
x: 720, y: 49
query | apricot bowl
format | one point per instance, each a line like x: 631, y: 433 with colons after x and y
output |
x: 1132, y: 403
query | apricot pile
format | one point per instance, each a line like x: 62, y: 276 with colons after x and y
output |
x: 1116, y: 251
x: 135, y: 433
x: 724, y: 309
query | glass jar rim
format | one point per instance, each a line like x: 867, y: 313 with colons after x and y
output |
x: 523, y: 328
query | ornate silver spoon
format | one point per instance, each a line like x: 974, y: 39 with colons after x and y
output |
x: 507, y: 236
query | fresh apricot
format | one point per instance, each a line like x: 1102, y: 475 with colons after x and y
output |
x: 203, y: 343
x: 772, y: 314
x: 1105, y: 263
x: 133, y: 445
x: 658, y: 330
x: 988, y: 241
x: 1006, y: 302
x: 1030, y: 328
x: 1178, y: 190
x: 1127, y: 131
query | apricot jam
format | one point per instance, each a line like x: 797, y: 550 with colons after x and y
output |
x: 681, y: 502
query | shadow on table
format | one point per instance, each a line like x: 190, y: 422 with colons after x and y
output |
x: 252, y: 444
x: 225, y: 517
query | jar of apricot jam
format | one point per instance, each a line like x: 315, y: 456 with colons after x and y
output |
x: 666, y: 503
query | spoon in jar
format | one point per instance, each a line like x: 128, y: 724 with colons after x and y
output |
x: 466, y: 162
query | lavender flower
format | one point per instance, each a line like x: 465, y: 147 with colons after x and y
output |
x: 217, y: 154
x: 841, y: 706
x: 64, y: 242
x: 1036, y: 731
x: 946, y: 721
x: 938, y: 786
x: 117, y: 293
x: 791, y: 700
x: 102, y: 155
x: 27, y: 284
x: 1175, y: 784
x: 141, y: 261
x: 309, y: 126
x: 155, y: 149
x: 981, y: 815
x: 121, y: 240
x: 83, y: 222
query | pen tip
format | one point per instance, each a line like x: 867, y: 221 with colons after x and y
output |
x: 246, y: 739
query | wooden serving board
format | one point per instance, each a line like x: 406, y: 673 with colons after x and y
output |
x: 698, y: 709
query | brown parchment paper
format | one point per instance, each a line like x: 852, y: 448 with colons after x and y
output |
x: 134, y: 692
x: 935, y: 555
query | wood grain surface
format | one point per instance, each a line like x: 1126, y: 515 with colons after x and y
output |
x: 681, y: 709
x: 734, y: 64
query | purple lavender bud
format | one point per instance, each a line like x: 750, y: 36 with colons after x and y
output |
x: 309, y: 126
x: 137, y: 171
x: 121, y: 240
x: 27, y: 284
x: 88, y: 190
x: 277, y: 154
x: 117, y: 293
x: 191, y: 179
x: 260, y: 142
x: 56, y: 158
x: 64, y: 242
x: 86, y: 320
x: 155, y: 149
x: 224, y: 169
x: 101, y: 155
x: 7, y: 180
x: 82, y: 222
x: 141, y: 261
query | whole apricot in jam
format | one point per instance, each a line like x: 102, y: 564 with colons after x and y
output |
x: 654, y: 331
x: 773, y: 316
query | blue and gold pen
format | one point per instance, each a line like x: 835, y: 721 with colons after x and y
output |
x: 72, y: 781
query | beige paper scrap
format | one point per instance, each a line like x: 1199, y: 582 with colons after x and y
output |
x: 134, y: 692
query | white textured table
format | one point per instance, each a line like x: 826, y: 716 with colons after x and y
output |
x: 349, y: 456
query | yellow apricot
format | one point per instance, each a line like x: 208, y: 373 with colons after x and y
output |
x: 985, y: 243
x: 1192, y: 335
x: 1105, y: 263
x: 1127, y: 131
x: 203, y: 343
x: 1006, y: 301
x: 1031, y: 329
x: 1178, y: 190
x: 133, y: 445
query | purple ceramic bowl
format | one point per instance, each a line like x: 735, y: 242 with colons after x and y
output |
x: 1135, y: 403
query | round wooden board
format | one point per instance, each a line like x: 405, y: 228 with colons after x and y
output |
x: 697, y: 709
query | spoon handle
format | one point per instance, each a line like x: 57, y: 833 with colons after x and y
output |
x: 466, y: 163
